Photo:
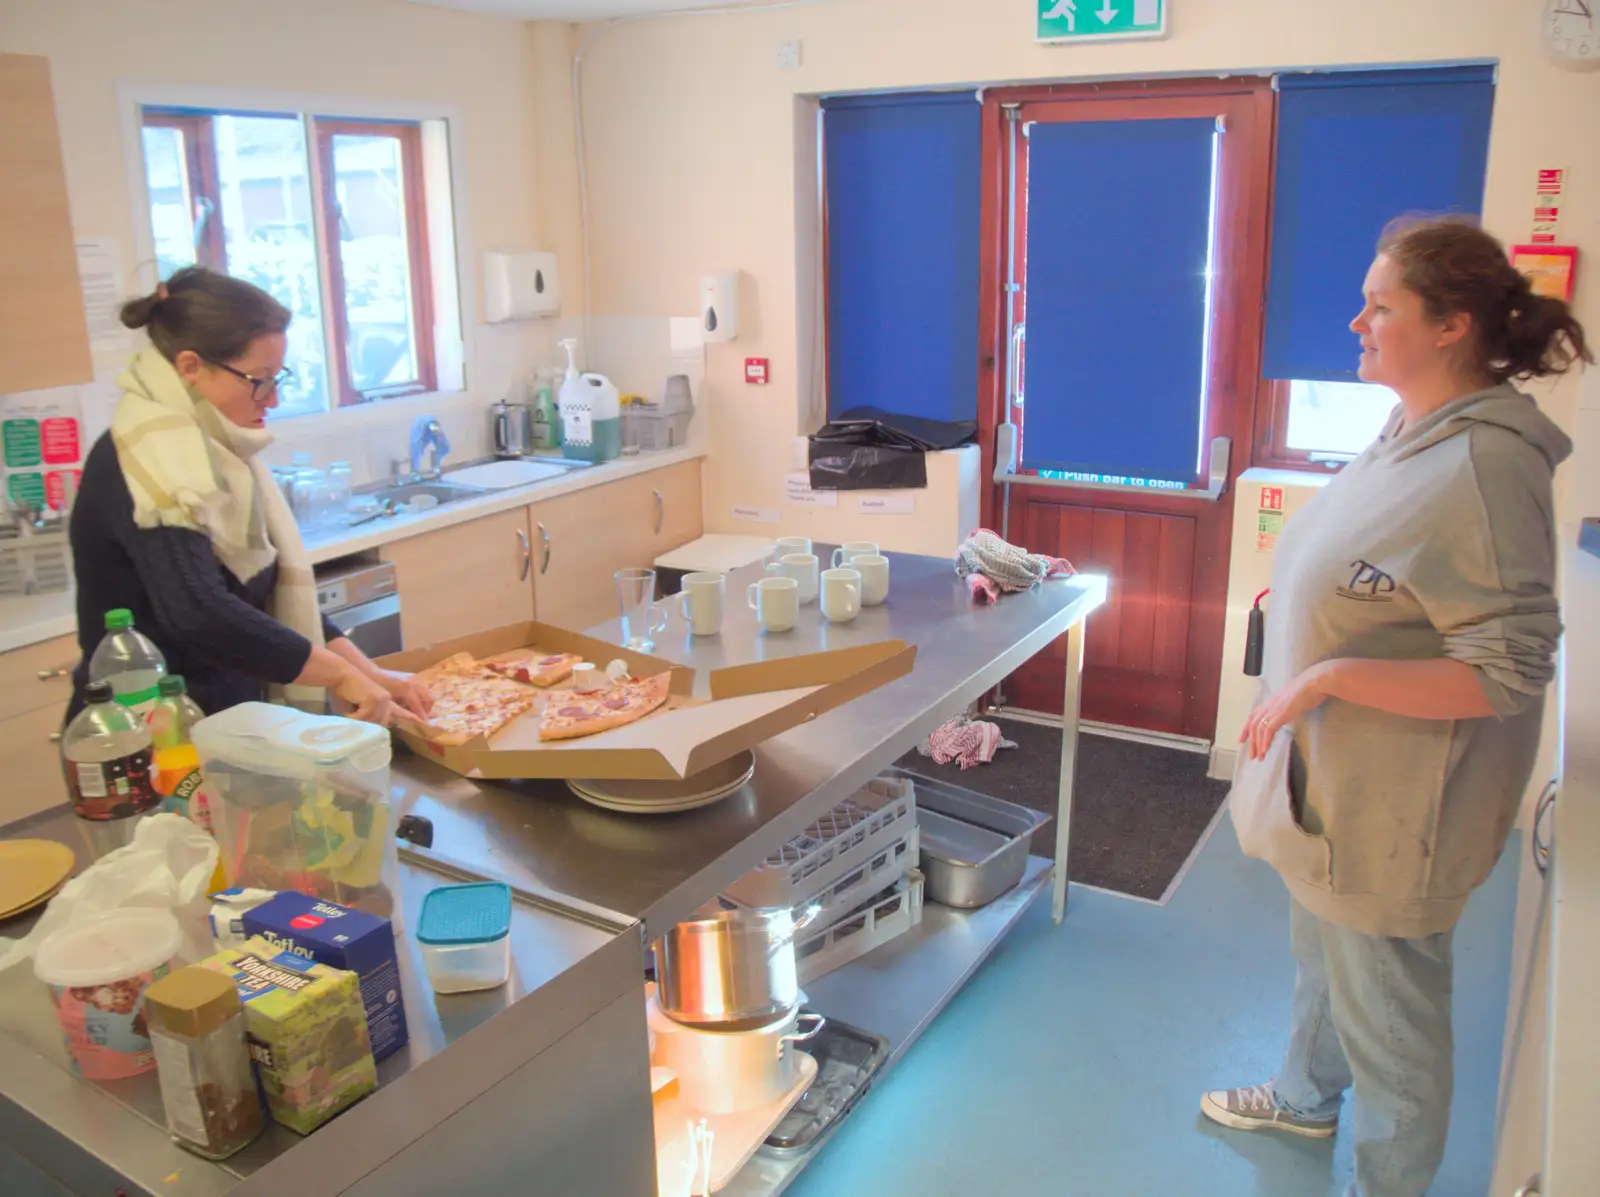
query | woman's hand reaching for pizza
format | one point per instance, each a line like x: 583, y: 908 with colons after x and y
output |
x: 406, y: 693
x: 367, y: 700
x: 1302, y: 695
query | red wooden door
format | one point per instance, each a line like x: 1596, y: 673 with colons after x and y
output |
x: 1153, y: 653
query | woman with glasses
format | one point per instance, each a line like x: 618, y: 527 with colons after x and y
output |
x: 178, y: 520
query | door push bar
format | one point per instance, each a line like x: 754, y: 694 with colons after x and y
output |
x: 1005, y: 471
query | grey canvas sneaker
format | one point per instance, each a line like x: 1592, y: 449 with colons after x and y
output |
x: 1253, y: 1108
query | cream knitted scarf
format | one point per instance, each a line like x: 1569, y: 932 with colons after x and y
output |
x: 187, y: 466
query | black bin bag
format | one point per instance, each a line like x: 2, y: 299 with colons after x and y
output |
x: 867, y: 448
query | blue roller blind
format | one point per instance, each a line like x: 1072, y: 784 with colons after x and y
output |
x: 1356, y: 149
x: 1119, y: 233
x: 902, y: 187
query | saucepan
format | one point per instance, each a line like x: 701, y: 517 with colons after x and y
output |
x: 725, y: 1072
x: 732, y: 969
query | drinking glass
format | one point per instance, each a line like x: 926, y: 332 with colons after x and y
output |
x: 642, y: 616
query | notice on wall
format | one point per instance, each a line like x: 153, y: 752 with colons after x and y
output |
x: 41, y: 447
x: 1269, y: 518
x: 797, y: 490
x: 100, y: 275
x: 1547, y: 189
x: 887, y: 504
x: 758, y: 515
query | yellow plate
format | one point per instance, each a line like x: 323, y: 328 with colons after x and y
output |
x: 30, y: 871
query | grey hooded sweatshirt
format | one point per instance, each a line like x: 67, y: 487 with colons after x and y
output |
x: 1438, y: 541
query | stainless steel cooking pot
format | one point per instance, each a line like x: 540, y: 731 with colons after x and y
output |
x: 731, y: 969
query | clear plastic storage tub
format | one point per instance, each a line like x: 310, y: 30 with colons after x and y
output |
x: 301, y: 802
x: 465, y: 933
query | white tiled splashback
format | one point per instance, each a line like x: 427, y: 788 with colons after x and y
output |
x: 636, y: 353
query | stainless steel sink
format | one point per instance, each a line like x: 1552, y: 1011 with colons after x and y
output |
x: 442, y: 492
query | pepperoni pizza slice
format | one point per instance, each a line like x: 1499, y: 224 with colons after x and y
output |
x: 568, y: 716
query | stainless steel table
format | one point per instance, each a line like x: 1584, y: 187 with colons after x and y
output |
x: 657, y: 871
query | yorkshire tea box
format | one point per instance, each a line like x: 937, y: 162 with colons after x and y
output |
x: 307, y: 1031
x: 341, y: 938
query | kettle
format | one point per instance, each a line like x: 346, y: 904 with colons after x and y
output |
x: 511, y: 425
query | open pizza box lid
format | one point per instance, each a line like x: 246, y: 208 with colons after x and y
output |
x: 748, y: 704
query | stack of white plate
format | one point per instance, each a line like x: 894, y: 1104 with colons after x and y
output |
x: 666, y: 797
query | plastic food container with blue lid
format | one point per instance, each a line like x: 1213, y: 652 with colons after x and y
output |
x: 465, y: 933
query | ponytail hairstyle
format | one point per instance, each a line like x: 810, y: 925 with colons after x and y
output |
x: 1457, y: 267
x: 210, y: 313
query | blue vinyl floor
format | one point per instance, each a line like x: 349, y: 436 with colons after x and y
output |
x: 1073, y: 1063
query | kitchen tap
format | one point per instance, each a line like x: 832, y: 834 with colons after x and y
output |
x: 426, y: 433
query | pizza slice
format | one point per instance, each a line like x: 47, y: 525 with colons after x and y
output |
x: 541, y: 671
x: 469, y: 703
x: 568, y: 716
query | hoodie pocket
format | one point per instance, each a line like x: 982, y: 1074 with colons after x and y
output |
x: 1262, y: 806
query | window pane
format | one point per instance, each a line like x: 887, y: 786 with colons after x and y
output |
x: 265, y: 183
x: 370, y: 185
x: 166, y: 174
x: 1337, y: 417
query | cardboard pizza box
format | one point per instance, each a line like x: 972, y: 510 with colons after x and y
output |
x: 748, y: 704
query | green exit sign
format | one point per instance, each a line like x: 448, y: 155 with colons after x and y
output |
x: 1100, y: 20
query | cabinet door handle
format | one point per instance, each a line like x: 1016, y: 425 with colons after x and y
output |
x: 661, y: 511
x: 50, y: 675
x: 544, y: 545
x: 527, y: 555
x: 55, y: 737
x: 1531, y: 1189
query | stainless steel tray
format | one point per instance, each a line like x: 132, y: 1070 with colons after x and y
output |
x: 848, y: 1058
x: 974, y: 847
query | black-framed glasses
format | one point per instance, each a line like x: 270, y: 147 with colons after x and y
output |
x: 260, y: 388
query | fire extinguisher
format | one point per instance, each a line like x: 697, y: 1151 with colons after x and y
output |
x: 1255, y: 637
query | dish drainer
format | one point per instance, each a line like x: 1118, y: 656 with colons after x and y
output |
x: 836, y: 857
x: 860, y: 932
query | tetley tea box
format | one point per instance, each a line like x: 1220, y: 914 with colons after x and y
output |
x: 341, y: 938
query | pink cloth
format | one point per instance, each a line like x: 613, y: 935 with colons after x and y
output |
x: 969, y: 742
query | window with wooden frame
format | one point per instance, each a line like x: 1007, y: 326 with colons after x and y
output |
x: 1398, y: 142
x: 328, y: 215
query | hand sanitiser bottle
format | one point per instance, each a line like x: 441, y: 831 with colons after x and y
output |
x: 591, y: 413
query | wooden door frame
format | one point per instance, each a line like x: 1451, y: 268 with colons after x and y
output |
x: 1238, y: 313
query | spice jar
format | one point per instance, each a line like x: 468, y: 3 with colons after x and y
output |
x: 197, y: 1028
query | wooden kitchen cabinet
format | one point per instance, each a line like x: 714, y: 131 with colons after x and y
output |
x: 464, y: 578
x: 581, y: 539
x: 44, y: 340
x: 35, y: 686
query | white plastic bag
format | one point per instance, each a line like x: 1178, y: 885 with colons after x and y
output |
x: 168, y: 865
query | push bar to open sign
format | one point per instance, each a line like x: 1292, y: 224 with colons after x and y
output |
x: 1005, y: 472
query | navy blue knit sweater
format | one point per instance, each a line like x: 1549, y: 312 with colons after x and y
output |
x: 211, y: 627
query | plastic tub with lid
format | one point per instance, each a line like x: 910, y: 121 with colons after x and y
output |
x: 98, y: 970
x: 301, y: 802
x: 465, y: 933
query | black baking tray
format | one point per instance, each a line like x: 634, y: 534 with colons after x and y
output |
x: 848, y: 1058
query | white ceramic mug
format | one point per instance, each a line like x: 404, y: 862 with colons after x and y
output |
x: 844, y: 554
x: 785, y: 545
x: 802, y: 567
x: 776, y: 602
x: 874, y: 571
x: 700, y: 599
x: 841, y: 594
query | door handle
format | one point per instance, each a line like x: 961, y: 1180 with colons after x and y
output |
x: 1538, y: 842
x: 1019, y: 337
x: 1531, y: 1189
x: 55, y: 737
x: 527, y: 555
x: 661, y: 511
x: 49, y: 675
x: 544, y: 546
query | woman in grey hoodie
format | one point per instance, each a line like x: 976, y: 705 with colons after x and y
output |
x: 1411, y: 636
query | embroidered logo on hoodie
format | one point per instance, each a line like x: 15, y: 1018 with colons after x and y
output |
x: 1368, y: 584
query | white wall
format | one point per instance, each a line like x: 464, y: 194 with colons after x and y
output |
x: 485, y: 71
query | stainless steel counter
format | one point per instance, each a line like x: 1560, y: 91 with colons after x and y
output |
x: 661, y: 869
x: 467, y: 1118
x: 569, y: 961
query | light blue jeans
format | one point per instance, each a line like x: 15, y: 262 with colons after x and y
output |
x: 1373, y: 1015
